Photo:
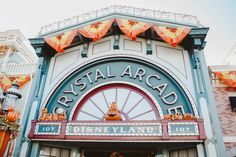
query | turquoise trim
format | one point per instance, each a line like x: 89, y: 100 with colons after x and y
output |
x: 212, y: 108
x: 21, y: 135
x: 42, y: 80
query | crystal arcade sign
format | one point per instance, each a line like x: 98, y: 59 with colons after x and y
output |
x: 165, y: 90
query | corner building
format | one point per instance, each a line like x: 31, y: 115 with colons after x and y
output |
x: 125, y: 81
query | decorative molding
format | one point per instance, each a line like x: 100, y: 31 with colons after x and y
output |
x: 229, y: 138
x: 168, y: 17
x: 118, y: 130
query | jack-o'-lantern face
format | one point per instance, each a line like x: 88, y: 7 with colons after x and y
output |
x: 113, y: 113
x: 169, y: 116
x: 178, y: 116
x: 188, y: 116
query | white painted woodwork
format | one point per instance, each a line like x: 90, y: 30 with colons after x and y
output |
x: 175, y: 60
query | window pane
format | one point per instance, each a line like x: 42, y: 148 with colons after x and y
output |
x: 45, y: 150
x: 174, y: 154
x: 133, y: 99
x: 110, y: 95
x: 180, y: 110
x: 142, y: 107
x: 183, y: 153
x: 55, y: 152
x: 65, y: 153
x: 192, y: 152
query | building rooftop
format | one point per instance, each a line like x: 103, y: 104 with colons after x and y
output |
x: 122, y: 10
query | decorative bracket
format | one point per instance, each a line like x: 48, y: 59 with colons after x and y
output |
x: 84, y: 52
x: 149, y: 47
x: 195, y: 39
x: 116, y: 42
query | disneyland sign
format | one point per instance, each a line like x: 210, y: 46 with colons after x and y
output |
x: 113, y: 129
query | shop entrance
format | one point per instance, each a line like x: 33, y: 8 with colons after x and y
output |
x: 118, y: 153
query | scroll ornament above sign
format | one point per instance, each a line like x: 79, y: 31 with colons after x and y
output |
x: 131, y: 28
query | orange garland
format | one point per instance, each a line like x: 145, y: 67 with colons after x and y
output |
x: 171, y: 35
x: 61, y: 41
x: 6, y: 82
x: 228, y: 78
x: 96, y: 30
x: 132, y: 28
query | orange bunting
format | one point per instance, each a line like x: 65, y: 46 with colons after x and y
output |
x: 228, y: 78
x: 132, y: 28
x: 6, y: 82
x: 172, y: 36
x: 96, y: 30
x: 61, y: 41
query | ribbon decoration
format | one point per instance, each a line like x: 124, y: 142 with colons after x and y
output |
x: 96, y: 30
x: 6, y: 82
x: 171, y: 35
x: 132, y: 28
x: 228, y: 78
x: 61, y: 41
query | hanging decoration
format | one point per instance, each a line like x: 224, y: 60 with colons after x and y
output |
x: 132, y: 28
x: 96, y: 30
x: 172, y: 35
x: 61, y: 41
x: 6, y: 82
x: 228, y: 78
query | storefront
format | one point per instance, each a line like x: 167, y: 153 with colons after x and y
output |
x: 137, y: 89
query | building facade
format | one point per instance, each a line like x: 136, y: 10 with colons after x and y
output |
x: 125, y: 81
x: 223, y: 78
x: 17, y: 63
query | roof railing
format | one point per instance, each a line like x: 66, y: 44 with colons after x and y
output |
x: 127, y: 10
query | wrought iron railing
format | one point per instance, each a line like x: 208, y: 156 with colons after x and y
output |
x: 17, y: 69
x: 140, y: 12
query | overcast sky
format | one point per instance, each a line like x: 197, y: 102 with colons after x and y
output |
x: 219, y: 15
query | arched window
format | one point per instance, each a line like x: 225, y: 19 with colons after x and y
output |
x: 132, y: 103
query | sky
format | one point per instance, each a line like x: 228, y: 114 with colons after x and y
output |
x: 219, y: 15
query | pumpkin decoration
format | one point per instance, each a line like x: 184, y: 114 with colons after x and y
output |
x: 49, y: 117
x: 1, y: 112
x: 188, y: 116
x: 178, y: 116
x: 10, y: 109
x: 169, y: 117
x: 113, y: 113
x: 44, y: 113
x: 62, y: 116
x: 12, y: 116
x: 45, y: 110
x: 45, y: 116
x: 55, y: 116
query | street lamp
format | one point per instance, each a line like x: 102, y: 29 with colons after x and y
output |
x: 11, y: 96
x: 9, y: 123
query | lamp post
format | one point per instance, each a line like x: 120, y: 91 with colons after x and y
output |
x: 9, y: 118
